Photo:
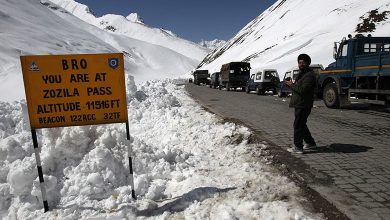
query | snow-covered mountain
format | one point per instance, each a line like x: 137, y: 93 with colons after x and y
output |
x: 213, y: 44
x: 132, y: 27
x: 41, y: 27
x: 134, y: 17
x: 276, y: 37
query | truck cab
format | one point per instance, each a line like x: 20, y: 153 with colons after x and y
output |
x: 360, y: 73
x: 262, y: 81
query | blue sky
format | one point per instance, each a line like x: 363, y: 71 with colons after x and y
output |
x: 190, y: 19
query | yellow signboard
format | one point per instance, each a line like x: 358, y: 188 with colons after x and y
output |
x: 72, y: 90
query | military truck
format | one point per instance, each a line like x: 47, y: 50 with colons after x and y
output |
x: 201, y: 76
x: 234, y: 75
x: 262, y: 81
x: 361, y: 72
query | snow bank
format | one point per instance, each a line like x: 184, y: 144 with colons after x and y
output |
x: 187, y: 164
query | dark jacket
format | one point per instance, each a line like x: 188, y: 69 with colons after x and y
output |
x: 303, y: 89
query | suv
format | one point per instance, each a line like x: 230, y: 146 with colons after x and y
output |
x: 214, y: 82
x: 262, y: 81
x: 284, y: 90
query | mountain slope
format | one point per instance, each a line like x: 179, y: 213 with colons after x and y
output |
x: 276, y: 37
x: 40, y: 27
x: 212, y: 45
x: 137, y: 30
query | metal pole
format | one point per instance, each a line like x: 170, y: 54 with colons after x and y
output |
x: 40, y: 173
x: 129, y: 150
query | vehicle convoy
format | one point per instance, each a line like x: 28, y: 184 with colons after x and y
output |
x: 214, y: 80
x: 292, y: 74
x: 234, y: 75
x: 262, y: 81
x: 360, y: 73
x: 201, y: 76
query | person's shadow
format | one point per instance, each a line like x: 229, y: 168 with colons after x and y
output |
x: 182, y: 202
x: 339, y: 148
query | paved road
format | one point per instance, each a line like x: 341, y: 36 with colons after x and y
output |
x: 351, y: 170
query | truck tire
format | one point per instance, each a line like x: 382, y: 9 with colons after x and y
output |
x: 331, y: 96
x: 259, y: 91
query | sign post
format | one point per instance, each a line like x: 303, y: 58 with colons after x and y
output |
x: 74, y: 90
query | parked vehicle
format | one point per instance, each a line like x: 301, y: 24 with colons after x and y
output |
x: 214, y: 82
x: 262, y: 81
x: 234, y: 75
x: 284, y: 90
x: 200, y: 76
x: 360, y: 73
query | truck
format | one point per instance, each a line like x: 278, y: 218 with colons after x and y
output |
x: 262, y: 81
x: 361, y: 72
x: 234, y: 75
x: 283, y: 90
x: 201, y: 76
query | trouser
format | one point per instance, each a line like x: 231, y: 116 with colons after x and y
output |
x: 301, y: 131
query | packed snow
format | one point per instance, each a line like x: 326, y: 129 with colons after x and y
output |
x: 187, y: 164
x: 288, y: 28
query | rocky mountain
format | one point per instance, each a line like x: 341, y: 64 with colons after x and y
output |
x: 213, y: 44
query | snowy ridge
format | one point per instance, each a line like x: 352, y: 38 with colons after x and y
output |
x: 137, y: 30
x: 40, y: 27
x: 212, y: 45
x: 134, y: 17
x: 276, y: 37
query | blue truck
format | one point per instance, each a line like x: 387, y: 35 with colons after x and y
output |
x: 361, y: 72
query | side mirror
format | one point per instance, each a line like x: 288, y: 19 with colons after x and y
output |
x: 335, y: 50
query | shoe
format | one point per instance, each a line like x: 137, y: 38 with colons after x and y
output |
x: 309, y: 146
x: 295, y: 150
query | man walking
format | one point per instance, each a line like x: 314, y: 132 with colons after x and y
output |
x: 302, y: 101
